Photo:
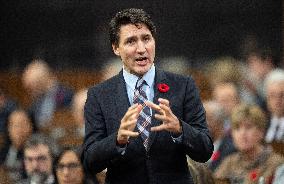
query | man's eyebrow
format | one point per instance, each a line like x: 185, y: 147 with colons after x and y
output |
x: 146, y: 34
x: 135, y: 37
x: 130, y: 38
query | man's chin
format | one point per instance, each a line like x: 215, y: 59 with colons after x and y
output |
x: 38, y: 177
x: 141, y: 70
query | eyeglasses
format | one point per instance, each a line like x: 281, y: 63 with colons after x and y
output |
x: 70, y: 166
x: 41, y: 158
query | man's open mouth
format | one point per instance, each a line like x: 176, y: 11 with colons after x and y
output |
x: 141, y: 59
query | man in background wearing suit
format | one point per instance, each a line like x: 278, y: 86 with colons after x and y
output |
x: 141, y: 123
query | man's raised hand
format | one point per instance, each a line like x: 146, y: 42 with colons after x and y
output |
x: 164, y: 113
x: 128, y: 124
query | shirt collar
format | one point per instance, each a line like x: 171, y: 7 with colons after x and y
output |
x: 275, y: 120
x: 131, y: 79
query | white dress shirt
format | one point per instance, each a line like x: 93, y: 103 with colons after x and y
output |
x: 275, y: 131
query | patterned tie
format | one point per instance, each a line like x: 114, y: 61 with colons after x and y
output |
x: 144, y: 118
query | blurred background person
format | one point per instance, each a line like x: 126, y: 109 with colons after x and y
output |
x: 46, y: 92
x: 223, y: 143
x: 19, y: 130
x: 274, y: 89
x: 175, y: 64
x: 69, y: 169
x: 7, y: 106
x: 111, y: 68
x: 225, y: 78
x: 78, y: 103
x: 201, y: 174
x: 254, y: 162
x: 39, y: 154
x: 260, y: 62
x: 224, y: 69
x: 4, y: 176
x: 227, y: 95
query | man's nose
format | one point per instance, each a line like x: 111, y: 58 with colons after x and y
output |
x: 141, y: 48
x: 65, y: 171
x: 34, y: 164
x: 242, y: 131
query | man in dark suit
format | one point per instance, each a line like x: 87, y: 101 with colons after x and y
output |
x: 142, y: 123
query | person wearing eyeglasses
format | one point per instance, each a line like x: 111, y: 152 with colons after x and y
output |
x: 39, y: 153
x: 68, y: 168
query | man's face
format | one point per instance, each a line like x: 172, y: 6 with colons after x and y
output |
x: 136, y: 47
x: 227, y: 96
x: 275, y: 98
x: 38, y: 160
x: 35, y: 78
x: 20, y: 128
x: 214, y: 126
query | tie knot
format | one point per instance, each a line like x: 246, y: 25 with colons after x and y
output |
x: 139, y: 83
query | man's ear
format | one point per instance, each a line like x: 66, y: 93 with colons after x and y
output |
x: 115, y: 49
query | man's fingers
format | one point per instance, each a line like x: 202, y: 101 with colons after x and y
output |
x: 160, y: 117
x: 134, y: 109
x: 128, y: 133
x: 164, y: 101
x: 154, y: 106
x: 165, y: 109
x: 128, y: 124
x: 130, y: 111
x: 159, y: 128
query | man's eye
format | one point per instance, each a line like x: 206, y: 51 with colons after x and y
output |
x: 130, y: 41
x: 147, y: 38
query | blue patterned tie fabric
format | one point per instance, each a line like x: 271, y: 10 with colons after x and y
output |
x: 144, y: 118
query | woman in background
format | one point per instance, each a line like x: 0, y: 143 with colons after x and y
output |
x: 254, y: 162
x: 69, y: 169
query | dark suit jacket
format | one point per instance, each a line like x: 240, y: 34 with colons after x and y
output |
x: 165, y: 162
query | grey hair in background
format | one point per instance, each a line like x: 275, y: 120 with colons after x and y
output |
x: 38, y: 139
x: 217, y: 110
x: 275, y: 76
x: 175, y: 64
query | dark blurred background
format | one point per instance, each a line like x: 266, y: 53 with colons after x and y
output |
x: 74, y: 33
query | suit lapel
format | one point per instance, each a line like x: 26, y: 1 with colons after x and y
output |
x: 159, y: 78
x: 121, y: 98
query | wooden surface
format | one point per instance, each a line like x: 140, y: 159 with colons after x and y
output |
x: 63, y: 129
x: 11, y: 83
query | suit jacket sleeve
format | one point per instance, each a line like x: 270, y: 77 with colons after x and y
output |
x: 196, y: 140
x: 99, y: 148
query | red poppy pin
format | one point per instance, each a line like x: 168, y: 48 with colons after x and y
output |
x: 215, y: 156
x: 163, y: 88
x: 253, y: 175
